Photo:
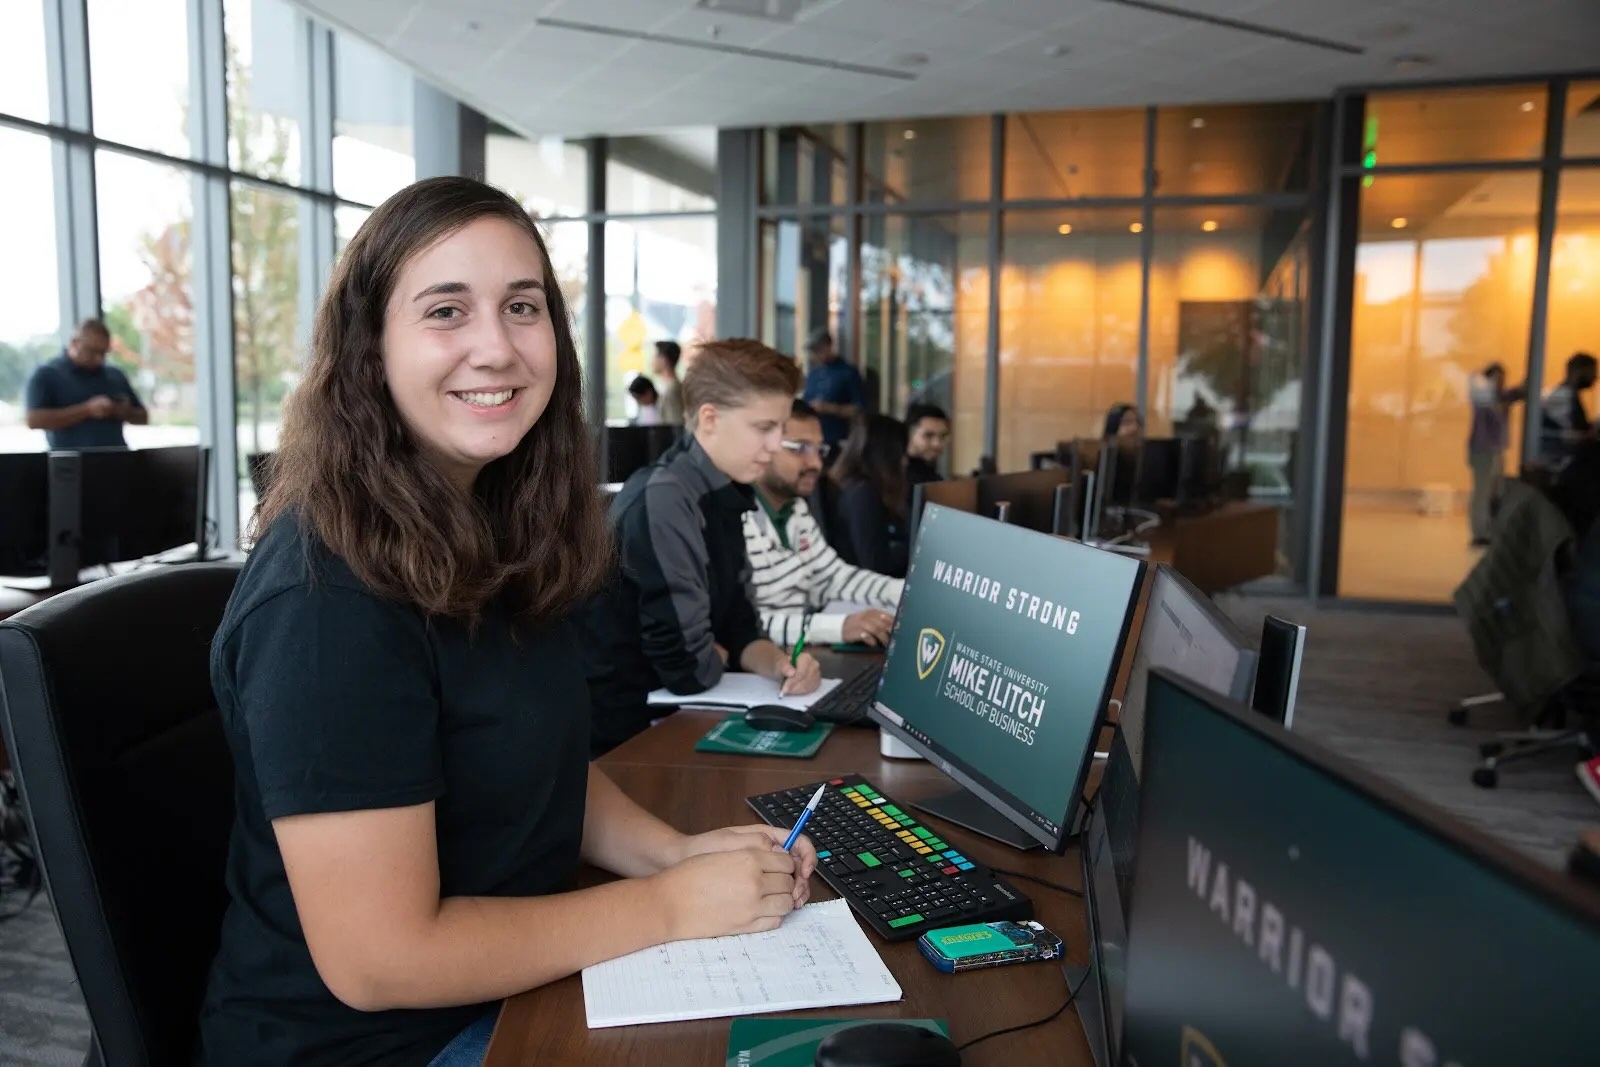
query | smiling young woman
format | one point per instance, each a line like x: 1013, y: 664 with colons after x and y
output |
x: 401, y: 686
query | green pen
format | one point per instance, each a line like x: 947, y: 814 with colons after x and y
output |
x: 799, y: 647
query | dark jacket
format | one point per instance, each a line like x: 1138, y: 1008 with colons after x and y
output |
x: 1513, y: 605
x: 863, y: 532
x: 682, y: 587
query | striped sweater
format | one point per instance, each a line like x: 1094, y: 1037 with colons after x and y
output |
x: 793, y: 584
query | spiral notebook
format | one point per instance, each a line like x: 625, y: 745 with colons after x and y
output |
x: 818, y: 958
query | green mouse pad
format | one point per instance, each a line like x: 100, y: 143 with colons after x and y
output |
x: 793, y: 1042
x: 735, y: 736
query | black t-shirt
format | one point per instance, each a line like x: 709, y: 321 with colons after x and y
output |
x: 335, y: 700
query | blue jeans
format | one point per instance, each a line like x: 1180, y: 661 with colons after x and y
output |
x: 468, y: 1048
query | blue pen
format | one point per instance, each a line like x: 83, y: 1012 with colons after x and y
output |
x: 800, y: 823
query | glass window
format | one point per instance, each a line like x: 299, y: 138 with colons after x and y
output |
x: 806, y: 164
x: 1228, y: 292
x: 568, y: 245
x: 1574, y: 310
x: 1583, y: 119
x: 1443, y: 288
x: 803, y: 270
x: 1219, y: 150
x: 374, y: 102
x: 30, y: 326
x: 1483, y: 122
x: 267, y: 354
x: 145, y: 211
x: 549, y: 176
x: 661, y: 284
x: 927, y: 159
x: 346, y: 221
x: 675, y: 170
x: 1069, y: 326
x: 1066, y: 154
x: 925, y: 319
x: 264, y: 98
x: 139, y: 73
x: 23, y: 74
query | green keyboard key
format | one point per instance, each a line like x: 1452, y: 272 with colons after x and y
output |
x: 907, y: 873
x: 934, y: 842
x: 892, y: 810
x: 905, y: 920
x: 869, y: 859
x: 922, y: 832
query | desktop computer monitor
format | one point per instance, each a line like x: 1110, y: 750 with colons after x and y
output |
x: 1184, y: 632
x: 1283, y: 643
x: 1291, y: 908
x: 960, y: 494
x: 1030, y: 496
x: 24, y: 513
x: 1160, y: 467
x: 1002, y: 658
x: 1110, y: 839
x: 111, y: 505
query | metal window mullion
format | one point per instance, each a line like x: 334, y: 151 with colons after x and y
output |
x: 594, y: 319
x: 211, y: 268
x: 1538, y: 320
x: 991, y: 351
x: 72, y: 162
x: 1146, y: 254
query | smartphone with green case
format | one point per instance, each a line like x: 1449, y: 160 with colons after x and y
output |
x: 967, y: 948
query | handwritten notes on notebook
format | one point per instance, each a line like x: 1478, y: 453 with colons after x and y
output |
x: 740, y: 690
x: 818, y: 958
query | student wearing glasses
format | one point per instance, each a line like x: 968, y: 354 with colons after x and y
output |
x: 677, y: 613
x: 796, y: 572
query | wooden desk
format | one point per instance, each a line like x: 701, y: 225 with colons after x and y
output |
x: 698, y: 791
x: 1220, y: 549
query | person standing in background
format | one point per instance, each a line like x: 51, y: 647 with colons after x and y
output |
x: 1563, y: 422
x: 1486, y: 444
x: 77, y: 400
x: 833, y: 388
x: 665, y: 366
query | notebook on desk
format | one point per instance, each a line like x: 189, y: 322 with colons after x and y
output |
x: 741, y: 690
x: 818, y: 958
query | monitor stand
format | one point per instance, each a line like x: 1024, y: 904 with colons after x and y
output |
x: 1089, y: 1013
x: 965, y: 810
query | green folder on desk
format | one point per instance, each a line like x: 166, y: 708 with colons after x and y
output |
x: 793, y: 1042
x: 736, y: 737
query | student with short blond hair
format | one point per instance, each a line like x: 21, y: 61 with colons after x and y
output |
x: 678, y: 612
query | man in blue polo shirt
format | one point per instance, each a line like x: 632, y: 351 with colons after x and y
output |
x: 77, y: 400
x: 833, y: 388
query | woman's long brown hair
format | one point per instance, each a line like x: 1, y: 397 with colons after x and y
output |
x: 534, y: 528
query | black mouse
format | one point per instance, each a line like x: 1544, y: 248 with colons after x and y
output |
x: 778, y: 717
x: 887, y: 1045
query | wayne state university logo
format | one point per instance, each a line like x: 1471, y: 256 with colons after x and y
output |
x: 930, y: 646
x: 1198, y: 1051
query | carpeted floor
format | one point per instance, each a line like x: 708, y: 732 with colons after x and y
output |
x: 1374, y: 687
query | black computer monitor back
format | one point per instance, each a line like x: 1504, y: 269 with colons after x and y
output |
x: 24, y: 513
x: 958, y: 493
x: 1291, y: 908
x: 1030, y: 494
x: 1159, y: 469
x: 1278, y: 669
x: 1110, y: 840
x: 139, y: 502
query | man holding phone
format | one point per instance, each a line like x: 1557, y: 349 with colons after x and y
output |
x: 79, y: 401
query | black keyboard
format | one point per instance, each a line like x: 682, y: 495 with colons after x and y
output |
x: 849, y: 702
x: 902, y: 877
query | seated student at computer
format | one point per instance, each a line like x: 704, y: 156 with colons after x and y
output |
x: 927, y: 432
x: 643, y: 392
x: 402, y: 690
x: 868, y: 497
x: 79, y: 401
x: 677, y: 614
x: 795, y: 571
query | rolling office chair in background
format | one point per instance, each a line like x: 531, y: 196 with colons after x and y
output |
x: 105, y: 699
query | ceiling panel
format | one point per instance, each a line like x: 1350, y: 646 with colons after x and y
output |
x: 981, y: 55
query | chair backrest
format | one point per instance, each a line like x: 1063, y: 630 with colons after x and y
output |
x: 106, y: 701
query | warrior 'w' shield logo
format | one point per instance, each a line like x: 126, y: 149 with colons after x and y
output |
x: 1198, y: 1051
x: 930, y: 646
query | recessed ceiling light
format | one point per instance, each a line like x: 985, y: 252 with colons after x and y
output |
x: 1136, y: 227
x: 1527, y: 105
x: 1197, y: 123
x: 1210, y: 225
x: 1064, y: 229
x: 1399, y: 222
x: 910, y: 135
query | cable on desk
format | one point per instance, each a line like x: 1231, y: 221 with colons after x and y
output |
x: 1072, y: 995
x: 1057, y: 886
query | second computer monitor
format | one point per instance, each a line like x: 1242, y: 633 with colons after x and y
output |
x: 1029, y: 497
x: 1004, y: 652
x: 24, y: 513
x: 958, y: 493
x: 1187, y: 633
x: 1291, y: 909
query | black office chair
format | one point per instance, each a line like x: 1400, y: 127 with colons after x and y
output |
x: 105, y: 693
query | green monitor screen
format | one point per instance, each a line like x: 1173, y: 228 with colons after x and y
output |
x: 1002, y: 659
x: 1288, y: 908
